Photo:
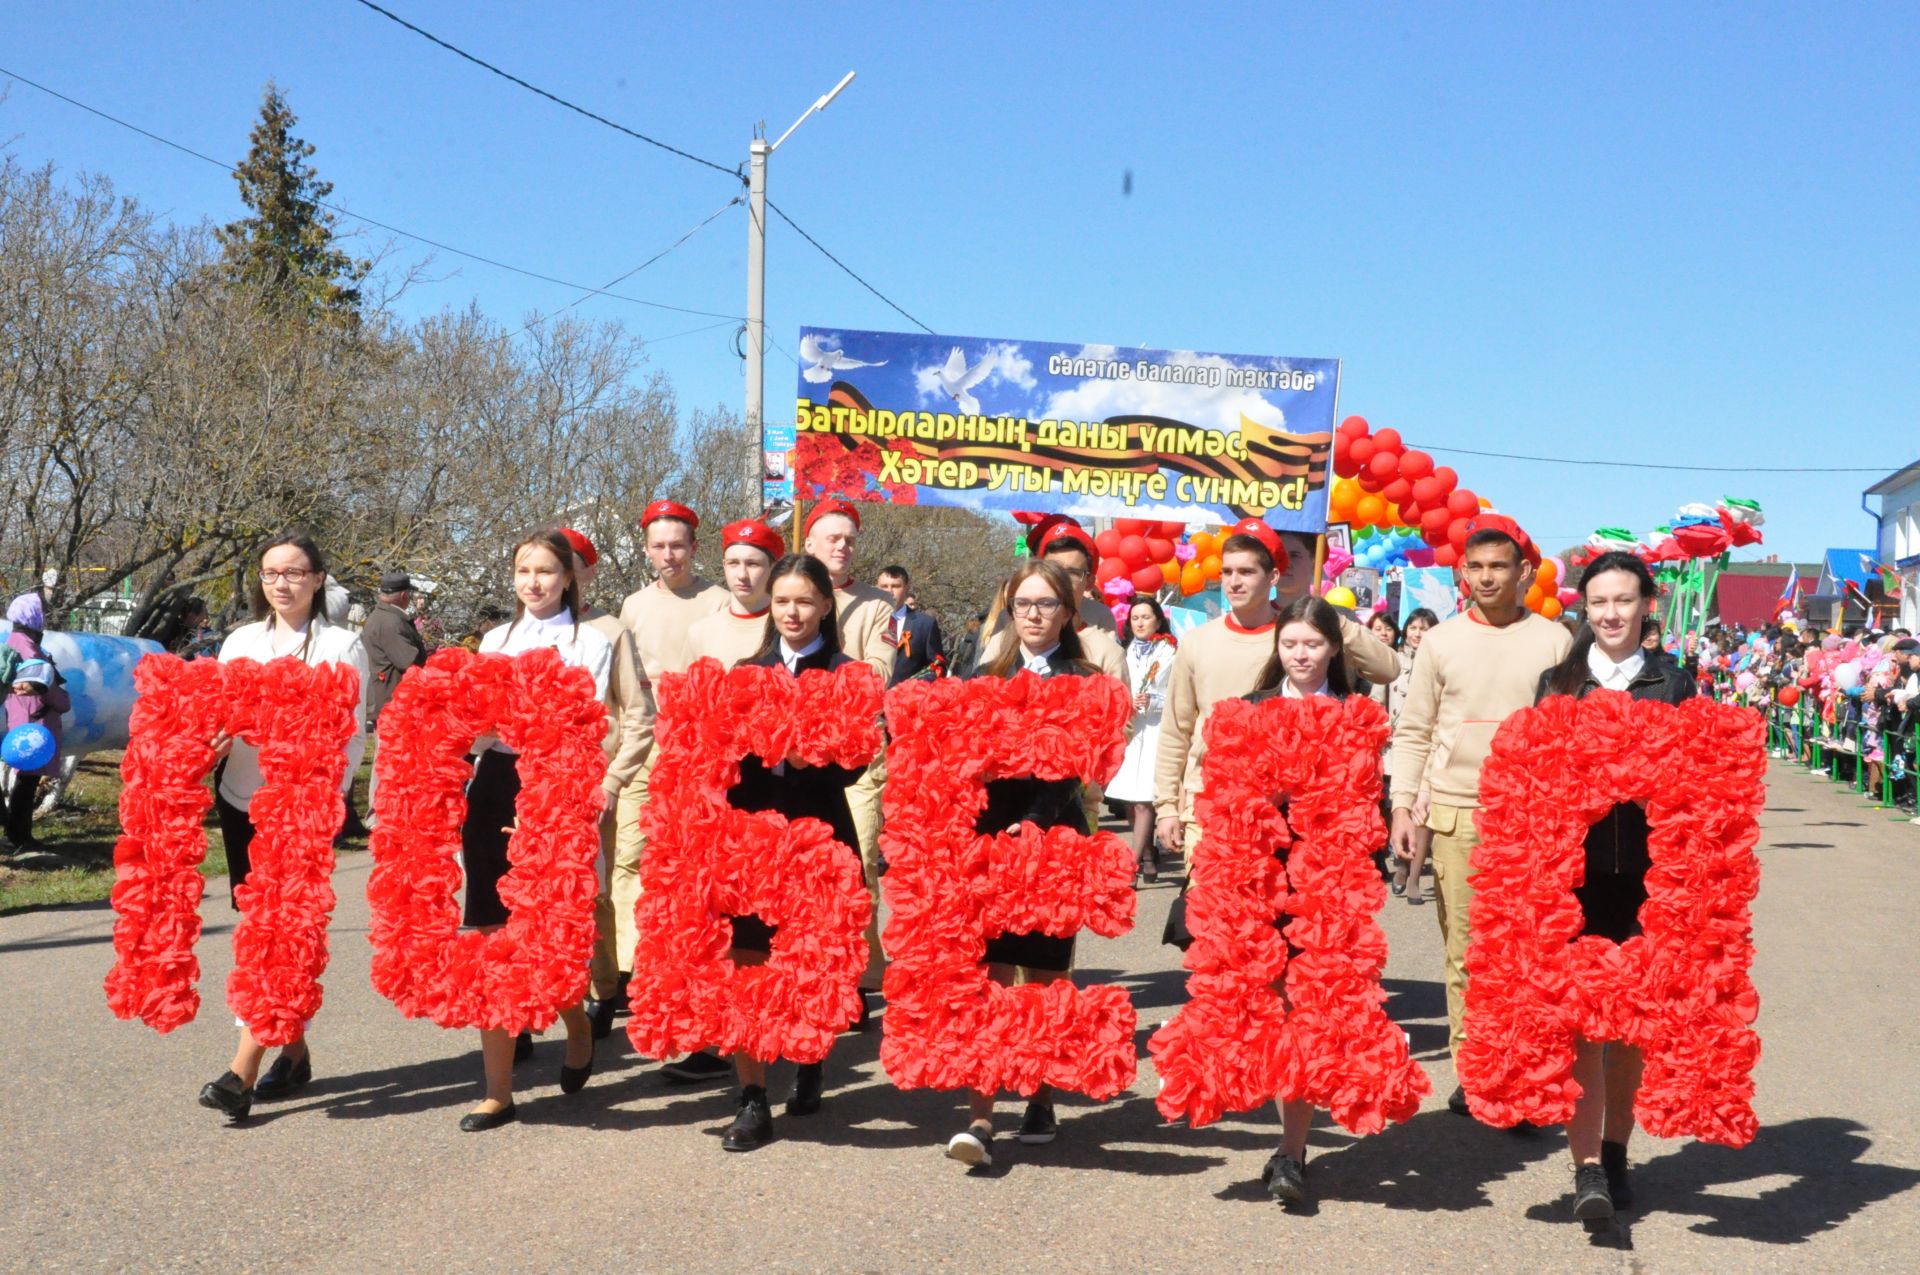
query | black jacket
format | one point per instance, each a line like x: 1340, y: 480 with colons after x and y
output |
x: 1044, y: 803
x: 809, y: 792
x: 917, y: 648
x: 1617, y: 844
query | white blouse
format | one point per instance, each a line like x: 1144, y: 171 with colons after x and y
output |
x: 265, y: 640
x: 580, y: 645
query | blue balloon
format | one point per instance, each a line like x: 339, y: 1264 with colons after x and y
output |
x: 28, y: 747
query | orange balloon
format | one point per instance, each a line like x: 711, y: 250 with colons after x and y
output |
x: 1210, y: 565
x: 1369, y: 510
x: 1202, y: 544
x: 1392, y: 518
x: 1341, y: 500
x: 1192, y: 579
x: 1551, y: 608
x: 1485, y: 503
x: 1170, y: 571
x: 1546, y: 574
x: 1534, y: 598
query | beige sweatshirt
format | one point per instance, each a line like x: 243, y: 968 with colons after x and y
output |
x: 1217, y: 661
x: 726, y: 636
x: 1469, y: 678
x: 659, y: 618
x: 862, y: 611
x: 630, y: 707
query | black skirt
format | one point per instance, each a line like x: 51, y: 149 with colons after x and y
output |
x: 1035, y: 951
x: 236, y: 834
x: 751, y: 934
x: 483, y: 837
x: 1611, y: 901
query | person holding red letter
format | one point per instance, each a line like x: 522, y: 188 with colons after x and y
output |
x: 1619, y: 592
x: 738, y: 631
x: 1041, y: 599
x: 289, y: 595
x: 546, y: 615
x: 1474, y: 670
x: 799, y: 634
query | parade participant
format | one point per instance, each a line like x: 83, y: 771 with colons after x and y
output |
x: 1474, y: 670
x: 737, y: 631
x: 547, y: 615
x: 629, y: 700
x: 1407, y: 872
x: 658, y: 615
x: 393, y: 645
x: 1040, y: 597
x: 799, y: 634
x: 915, y: 635
x: 1619, y: 591
x: 861, y: 612
x: 1069, y: 546
x: 1150, y: 654
x: 1306, y: 661
x: 1222, y: 659
x: 1368, y: 659
x: 288, y: 597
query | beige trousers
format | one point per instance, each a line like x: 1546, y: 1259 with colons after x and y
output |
x: 863, y: 801
x: 1454, y: 837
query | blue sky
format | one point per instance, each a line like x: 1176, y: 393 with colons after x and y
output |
x: 1672, y: 233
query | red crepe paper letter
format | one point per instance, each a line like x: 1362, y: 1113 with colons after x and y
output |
x: 1680, y: 991
x: 707, y: 861
x: 300, y: 719
x: 949, y: 889
x: 522, y: 975
x: 1238, y: 1042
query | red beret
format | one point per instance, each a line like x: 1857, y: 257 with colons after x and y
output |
x: 751, y: 531
x: 1267, y: 536
x: 1040, y: 526
x: 1071, y: 532
x: 1508, y: 528
x: 832, y: 506
x: 669, y: 509
x: 581, y: 546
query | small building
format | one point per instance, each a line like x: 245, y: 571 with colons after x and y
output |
x: 1841, y: 599
x: 1749, y: 593
x: 1899, y: 547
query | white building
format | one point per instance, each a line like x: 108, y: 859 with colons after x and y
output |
x: 1899, y: 545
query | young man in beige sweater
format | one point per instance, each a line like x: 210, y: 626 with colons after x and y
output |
x: 1474, y: 671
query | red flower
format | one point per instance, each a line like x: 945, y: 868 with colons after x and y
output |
x: 1238, y: 1043
x: 520, y: 976
x: 949, y: 889
x: 1680, y: 991
x: 707, y: 861
x: 300, y: 719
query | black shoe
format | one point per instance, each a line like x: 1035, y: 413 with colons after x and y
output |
x: 573, y: 1079
x: 620, y: 994
x: 1591, y: 1203
x: 808, y: 1081
x: 752, y: 1128
x: 284, y: 1079
x: 1039, y: 1126
x: 1285, y: 1179
x: 229, y: 1095
x: 522, y: 1047
x: 865, y: 1020
x: 1613, y: 1158
x: 1457, y: 1102
x: 971, y: 1148
x: 600, y: 1015
x: 481, y: 1121
x: 697, y: 1069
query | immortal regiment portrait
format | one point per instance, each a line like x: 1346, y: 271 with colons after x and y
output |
x: 1014, y: 801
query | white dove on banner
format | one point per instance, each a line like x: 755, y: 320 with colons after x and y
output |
x: 825, y: 361
x: 956, y: 378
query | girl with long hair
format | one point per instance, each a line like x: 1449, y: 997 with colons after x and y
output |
x: 289, y: 608
x: 1150, y: 649
x: 547, y: 613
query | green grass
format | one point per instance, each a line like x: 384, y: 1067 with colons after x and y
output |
x: 84, y: 829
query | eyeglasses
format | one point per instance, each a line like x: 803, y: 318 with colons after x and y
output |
x: 292, y: 575
x: 1039, y: 606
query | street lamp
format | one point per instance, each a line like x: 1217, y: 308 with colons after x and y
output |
x: 757, y: 285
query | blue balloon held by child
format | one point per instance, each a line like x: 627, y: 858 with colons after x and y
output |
x: 28, y: 747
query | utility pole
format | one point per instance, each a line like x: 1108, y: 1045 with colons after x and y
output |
x: 757, y: 155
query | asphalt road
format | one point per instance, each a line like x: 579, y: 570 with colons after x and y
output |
x: 110, y: 1164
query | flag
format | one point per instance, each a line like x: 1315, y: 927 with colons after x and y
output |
x: 1785, y: 604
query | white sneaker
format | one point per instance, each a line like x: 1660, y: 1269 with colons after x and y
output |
x: 967, y: 1147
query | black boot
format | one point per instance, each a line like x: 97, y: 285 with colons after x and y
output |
x: 1613, y: 1158
x: 752, y: 1128
x: 808, y: 1081
x: 1591, y: 1203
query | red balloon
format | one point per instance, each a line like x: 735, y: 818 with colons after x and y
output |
x: 1131, y: 526
x: 1345, y: 465
x: 1428, y: 492
x: 1171, y: 530
x: 1111, y: 568
x: 1133, y: 546
x: 1415, y: 465
x: 1788, y: 696
x: 1148, y: 580
x: 1384, y: 465
x: 1457, y: 534
x: 1159, y: 550
x: 1353, y: 427
x: 1108, y: 543
x: 1463, y: 503
x: 1447, y: 479
x: 1434, y: 524
x: 1446, y: 556
x: 1387, y: 440
x: 1361, y: 450
x: 1397, y: 492
x: 1367, y: 481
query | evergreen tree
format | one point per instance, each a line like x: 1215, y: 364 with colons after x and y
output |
x: 286, y: 248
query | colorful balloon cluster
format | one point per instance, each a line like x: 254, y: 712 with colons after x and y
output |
x: 1150, y: 554
x: 1382, y: 484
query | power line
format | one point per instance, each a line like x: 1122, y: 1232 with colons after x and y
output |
x: 370, y: 221
x: 555, y: 98
x: 601, y: 291
x: 1636, y: 464
x: 843, y: 265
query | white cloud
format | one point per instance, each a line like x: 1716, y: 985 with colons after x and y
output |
x: 1217, y: 407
